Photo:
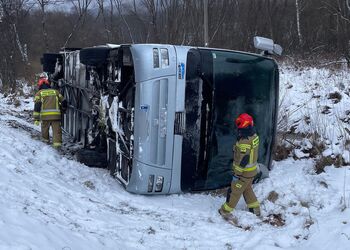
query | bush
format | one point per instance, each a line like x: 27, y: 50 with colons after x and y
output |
x: 324, y: 161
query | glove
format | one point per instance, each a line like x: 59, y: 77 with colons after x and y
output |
x: 36, y: 123
x: 64, y: 106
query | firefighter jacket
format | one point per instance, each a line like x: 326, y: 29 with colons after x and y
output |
x: 47, y: 104
x: 245, y: 156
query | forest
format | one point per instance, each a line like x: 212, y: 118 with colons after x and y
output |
x: 309, y: 30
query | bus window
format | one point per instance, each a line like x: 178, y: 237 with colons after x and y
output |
x: 241, y: 83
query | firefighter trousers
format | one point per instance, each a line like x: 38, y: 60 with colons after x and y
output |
x: 56, y: 132
x: 242, y: 186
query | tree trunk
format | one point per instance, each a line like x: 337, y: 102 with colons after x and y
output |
x: 297, y: 7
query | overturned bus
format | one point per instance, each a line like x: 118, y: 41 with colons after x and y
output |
x: 160, y: 117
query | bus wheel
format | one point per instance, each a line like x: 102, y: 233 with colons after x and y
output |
x: 94, y: 56
x: 92, y: 158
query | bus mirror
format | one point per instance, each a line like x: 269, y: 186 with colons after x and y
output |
x: 267, y: 46
x: 277, y: 49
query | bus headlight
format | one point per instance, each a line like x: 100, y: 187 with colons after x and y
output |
x: 159, y: 183
x: 164, y: 55
x: 150, y: 183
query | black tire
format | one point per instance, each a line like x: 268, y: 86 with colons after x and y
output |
x: 92, y: 158
x: 49, y: 61
x: 95, y: 56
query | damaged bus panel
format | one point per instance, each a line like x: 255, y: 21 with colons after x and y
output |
x: 160, y: 118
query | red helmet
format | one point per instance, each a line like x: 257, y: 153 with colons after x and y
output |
x: 43, y: 81
x: 244, y: 120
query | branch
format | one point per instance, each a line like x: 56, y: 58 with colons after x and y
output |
x: 338, y: 11
x: 82, y: 10
x: 224, y: 11
x: 118, y: 4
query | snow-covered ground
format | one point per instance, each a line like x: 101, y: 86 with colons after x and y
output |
x: 51, y: 202
x: 315, y: 103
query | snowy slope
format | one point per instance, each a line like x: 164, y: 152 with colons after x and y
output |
x: 316, y: 102
x: 51, y: 202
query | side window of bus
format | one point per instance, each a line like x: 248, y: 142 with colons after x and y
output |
x: 155, y: 58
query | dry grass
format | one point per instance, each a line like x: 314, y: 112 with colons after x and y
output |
x: 324, y: 161
x: 281, y: 152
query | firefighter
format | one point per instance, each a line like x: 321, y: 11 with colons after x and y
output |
x: 48, y: 104
x: 244, y: 168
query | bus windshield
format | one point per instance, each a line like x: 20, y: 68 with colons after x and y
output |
x: 230, y: 83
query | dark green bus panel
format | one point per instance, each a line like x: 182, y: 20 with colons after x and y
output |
x: 220, y: 85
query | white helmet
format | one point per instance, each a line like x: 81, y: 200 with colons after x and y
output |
x: 44, y: 75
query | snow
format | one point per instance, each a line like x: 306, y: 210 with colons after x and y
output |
x: 315, y: 103
x: 51, y: 202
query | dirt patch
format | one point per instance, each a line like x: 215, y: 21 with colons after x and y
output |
x: 307, y: 119
x: 90, y: 185
x: 326, y: 110
x: 305, y: 204
x: 150, y: 230
x: 335, y: 97
x: 346, y: 118
x: 275, y: 220
x: 308, y: 223
x: 273, y: 196
x: 324, y: 184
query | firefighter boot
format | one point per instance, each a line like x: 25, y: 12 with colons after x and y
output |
x: 228, y: 216
x: 256, y: 211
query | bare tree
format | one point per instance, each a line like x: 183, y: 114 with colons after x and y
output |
x: 43, y: 4
x: 298, y: 13
x: 13, y: 52
x: 101, y: 12
x: 152, y: 7
x: 119, y: 6
x: 81, y: 7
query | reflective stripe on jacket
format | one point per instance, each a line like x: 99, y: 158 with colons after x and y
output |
x: 246, y: 156
x: 47, y: 105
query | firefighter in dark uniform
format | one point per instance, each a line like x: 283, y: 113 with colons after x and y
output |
x: 244, y: 168
x: 48, y: 104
